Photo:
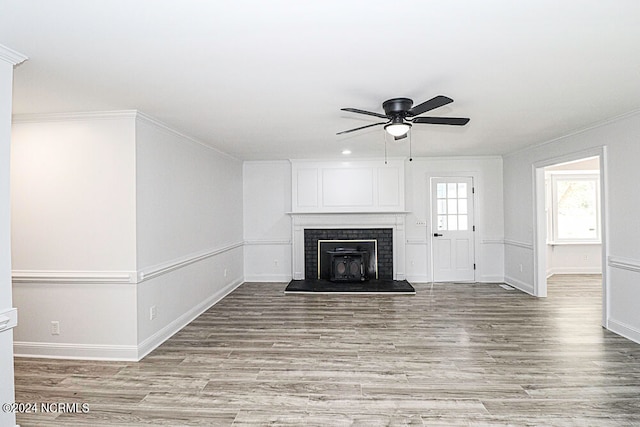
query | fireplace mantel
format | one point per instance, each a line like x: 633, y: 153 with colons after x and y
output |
x: 393, y: 220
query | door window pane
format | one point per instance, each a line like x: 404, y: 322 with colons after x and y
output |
x: 462, y: 206
x: 442, y: 222
x: 452, y: 222
x: 462, y: 190
x: 442, y: 206
x: 441, y: 190
x: 451, y: 190
x: 463, y: 222
x: 452, y: 206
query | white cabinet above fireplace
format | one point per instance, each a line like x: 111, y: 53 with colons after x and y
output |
x: 341, y: 187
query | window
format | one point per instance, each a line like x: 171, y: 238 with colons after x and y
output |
x: 452, y: 206
x: 575, y: 208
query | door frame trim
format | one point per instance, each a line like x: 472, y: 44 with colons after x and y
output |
x: 540, y: 222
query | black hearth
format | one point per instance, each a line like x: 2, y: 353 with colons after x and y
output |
x: 353, y: 254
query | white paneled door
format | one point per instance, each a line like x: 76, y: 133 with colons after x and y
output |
x: 452, y: 229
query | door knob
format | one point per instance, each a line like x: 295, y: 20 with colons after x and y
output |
x: 437, y: 235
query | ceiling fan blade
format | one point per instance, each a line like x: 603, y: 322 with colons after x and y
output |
x: 454, y: 121
x: 396, y: 138
x: 361, y: 127
x: 368, y: 113
x: 435, y: 102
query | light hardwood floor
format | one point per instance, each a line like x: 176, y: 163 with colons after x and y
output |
x: 457, y: 354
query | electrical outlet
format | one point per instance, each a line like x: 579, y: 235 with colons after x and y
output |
x: 225, y: 272
x: 275, y: 262
x: 153, y: 312
x: 55, y: 327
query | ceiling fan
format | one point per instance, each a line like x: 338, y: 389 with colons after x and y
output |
x: 400, y: 115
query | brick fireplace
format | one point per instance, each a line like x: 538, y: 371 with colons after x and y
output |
x: 355, y: 238
x: 387, y: 229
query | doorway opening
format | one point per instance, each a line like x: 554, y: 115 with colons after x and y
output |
x: 570, y: 232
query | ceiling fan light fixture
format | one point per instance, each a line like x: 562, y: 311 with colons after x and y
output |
x: 397, y: 128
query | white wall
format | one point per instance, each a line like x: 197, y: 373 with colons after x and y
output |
x: 487, y: 174
x: 574, y: 259
x: 267, y: 196
x: 73, y: 226
x: 73, y: 194
x: 115, y: 213
x: 267, y: 226
x: 8, y: 59
x: 189, y: 228
x: 621, y: 202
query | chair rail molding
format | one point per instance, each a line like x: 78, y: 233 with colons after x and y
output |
x: 59, y: 276
x: 624, y: 263
x: 518, y: 244
x: 117, y: 277
x: 166, y: 267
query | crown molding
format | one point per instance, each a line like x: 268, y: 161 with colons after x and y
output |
x: 344, y: 161
x: 454, y: 158
x: 11, y: 56
x: 112, y: 115
x: 63, y: 117
x: 593, y: 126
x: 165, y: 127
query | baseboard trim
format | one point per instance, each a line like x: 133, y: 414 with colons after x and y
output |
x: 624, y: 330
x: 491, y: 279
x: 518, y: 284
x: 284, y: 278
x: 418, y: 279
x: 155, y: 340
x: 49, y: 350
x: 574, y: 270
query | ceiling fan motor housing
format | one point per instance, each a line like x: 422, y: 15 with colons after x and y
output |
x: 397, y: 106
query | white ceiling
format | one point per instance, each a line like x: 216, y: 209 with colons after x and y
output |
x: 266, y: 79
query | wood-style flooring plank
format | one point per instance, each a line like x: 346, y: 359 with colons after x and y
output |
x: 453, y: 354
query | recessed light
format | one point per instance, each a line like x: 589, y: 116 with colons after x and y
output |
x: 345, y: 152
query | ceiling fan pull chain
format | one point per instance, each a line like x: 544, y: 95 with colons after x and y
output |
x: 384, y: 136
x: 410, y: 150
